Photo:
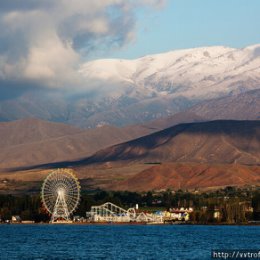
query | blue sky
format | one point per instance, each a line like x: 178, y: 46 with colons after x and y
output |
x: 193, y: 23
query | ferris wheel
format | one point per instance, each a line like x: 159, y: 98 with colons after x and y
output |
x: 60, y: 194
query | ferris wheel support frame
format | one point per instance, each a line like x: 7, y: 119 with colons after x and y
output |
x: 60, y: 209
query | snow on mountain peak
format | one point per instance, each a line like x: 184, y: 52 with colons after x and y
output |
x: 204, y: 72
x: 252, y: 47
x: 255, y: 50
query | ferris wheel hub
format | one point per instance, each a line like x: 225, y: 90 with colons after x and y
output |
x: 61, y: 192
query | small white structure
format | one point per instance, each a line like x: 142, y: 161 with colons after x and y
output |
x: 216, y: 214
x: 16, y: 219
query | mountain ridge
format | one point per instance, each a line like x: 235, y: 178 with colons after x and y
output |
x: 222, y: 141
x: 123, y: 92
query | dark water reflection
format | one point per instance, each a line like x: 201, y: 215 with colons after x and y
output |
x: 122, y: 242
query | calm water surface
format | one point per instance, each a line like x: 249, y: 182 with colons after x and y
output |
x: 122, y: 242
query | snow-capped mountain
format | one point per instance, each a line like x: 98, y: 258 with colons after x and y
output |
x: 193, y: 73
x: 121, y: 92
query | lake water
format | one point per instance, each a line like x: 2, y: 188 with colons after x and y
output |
x: 122, y: 242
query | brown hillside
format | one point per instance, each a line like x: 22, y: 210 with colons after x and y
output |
x: 32, y: 130
x: 190, y: 176
x: 207, y: 142
x: 31, y: 141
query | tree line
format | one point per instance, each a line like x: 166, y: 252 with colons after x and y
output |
x: 230, y: 205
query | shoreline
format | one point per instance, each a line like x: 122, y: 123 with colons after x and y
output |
x: 132, y: 224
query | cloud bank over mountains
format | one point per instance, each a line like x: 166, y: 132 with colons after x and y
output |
x: 43, y: 43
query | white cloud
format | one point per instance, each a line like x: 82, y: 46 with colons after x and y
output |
x: 45, y: 41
